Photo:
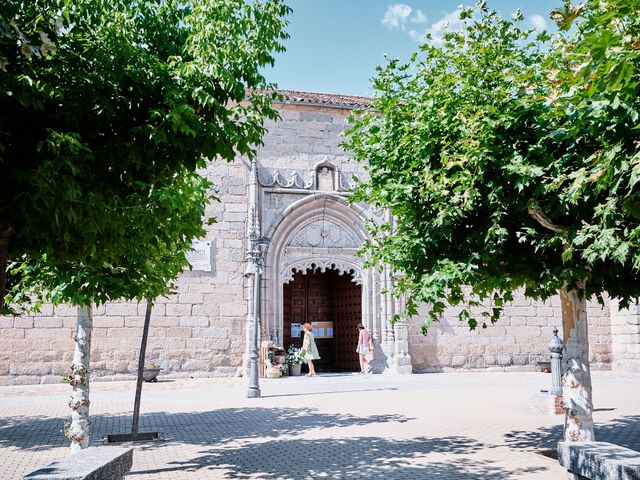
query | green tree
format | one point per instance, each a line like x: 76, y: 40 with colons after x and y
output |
x: 488, y: 154
x: 100, y: 100
x: 107, y: 109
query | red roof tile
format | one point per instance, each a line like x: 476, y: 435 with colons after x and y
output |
x: 325, y: 99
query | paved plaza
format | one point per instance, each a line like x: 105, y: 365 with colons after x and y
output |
x: 435, y: 426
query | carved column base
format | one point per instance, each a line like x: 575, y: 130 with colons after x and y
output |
x: 401, y: 357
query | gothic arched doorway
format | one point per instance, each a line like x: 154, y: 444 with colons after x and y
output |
x: 333, y: 304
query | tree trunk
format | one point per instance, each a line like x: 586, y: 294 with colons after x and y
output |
x: 143, y: 351
x: 5, y: 237
x: 78, y: 431
x: 576, y: 378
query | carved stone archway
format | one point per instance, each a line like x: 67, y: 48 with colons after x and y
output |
x: 303, y: 265
x: 321, y: 231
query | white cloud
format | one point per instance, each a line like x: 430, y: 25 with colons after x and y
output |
x: 399, y: 14
x: 538, y: 22
x: 450, y: 21
x: 396, y: 15
x: 416, y: 35
x: 419, y: 17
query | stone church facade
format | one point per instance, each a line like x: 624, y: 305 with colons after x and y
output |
x: 294, y: 199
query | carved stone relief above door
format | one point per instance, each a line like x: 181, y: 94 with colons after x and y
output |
x: 323, y: 234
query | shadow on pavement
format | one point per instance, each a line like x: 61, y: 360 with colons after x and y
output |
x: 199, y: 428
x: 623, y: 431
x: 359, y: 458
x: 34, y: 433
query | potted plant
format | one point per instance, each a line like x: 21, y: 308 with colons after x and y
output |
x: 272, y: 370
x: 150, y: 373
x: 295, y: 357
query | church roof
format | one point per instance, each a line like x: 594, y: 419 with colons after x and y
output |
x: 325, y: 99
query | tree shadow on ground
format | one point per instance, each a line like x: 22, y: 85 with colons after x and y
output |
x: 199, y: 428
x: 34, y: 433
x: 623, y: 431
x: 352, y: 458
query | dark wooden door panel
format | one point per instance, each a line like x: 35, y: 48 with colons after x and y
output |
x: 347, y: 298
x: 325, y: 297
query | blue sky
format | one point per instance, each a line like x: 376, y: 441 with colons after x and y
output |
x: 335, y: 45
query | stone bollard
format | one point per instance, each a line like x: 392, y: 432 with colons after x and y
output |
x: 555, y: 347
x: 549, y: 402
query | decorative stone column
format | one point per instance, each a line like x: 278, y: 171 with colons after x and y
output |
x: 254, y: 271
x: 387, y: 314
x: 401, y: 358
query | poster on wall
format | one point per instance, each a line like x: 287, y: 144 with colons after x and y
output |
x: 323, y: 329
x: 199, y: 257
x: 296, y: 330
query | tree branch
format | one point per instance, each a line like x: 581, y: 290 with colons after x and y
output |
x: 536, y: 212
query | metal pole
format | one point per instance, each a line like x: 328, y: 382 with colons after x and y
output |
x: 143, y: 350
x: 555, y: 347
x: 254, y: 387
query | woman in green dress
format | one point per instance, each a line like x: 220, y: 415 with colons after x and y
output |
x: 310, y: 349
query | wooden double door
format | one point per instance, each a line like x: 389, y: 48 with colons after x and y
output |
x: 318, y: 297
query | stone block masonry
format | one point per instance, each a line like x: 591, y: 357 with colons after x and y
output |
x: 94, y: 463
x: 194, y: 332
x: 516, y: 342
x: 598, y: 461
x: 625, y: 337
x: 200, y: 330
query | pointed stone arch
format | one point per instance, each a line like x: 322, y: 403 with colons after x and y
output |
x: 293, y: 247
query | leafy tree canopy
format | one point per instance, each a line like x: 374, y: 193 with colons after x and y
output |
x: 507, y: 161
x: 106, y: 111
x: 151, y: 235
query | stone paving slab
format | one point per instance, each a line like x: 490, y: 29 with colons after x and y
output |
x: 437, y: 426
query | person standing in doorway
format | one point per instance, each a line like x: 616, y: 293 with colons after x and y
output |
x: 309, y: 346
x: 365, y: 347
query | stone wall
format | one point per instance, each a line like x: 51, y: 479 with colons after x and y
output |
x: 516, y: 342
x: 293, y: 196
x: 201, y: 329
x: 625, y: 337
x: 197, y: 331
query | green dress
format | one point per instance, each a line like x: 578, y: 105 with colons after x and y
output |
x: 312, y: 354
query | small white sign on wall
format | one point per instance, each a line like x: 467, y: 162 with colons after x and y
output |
x: 200, y: 255
x: 296, y: 330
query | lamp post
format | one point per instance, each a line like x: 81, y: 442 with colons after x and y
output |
x: 254, y: 267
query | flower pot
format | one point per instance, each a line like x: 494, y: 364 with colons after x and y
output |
x: 273, y: 372
x: 295, y: 369
x: 150, y: 374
